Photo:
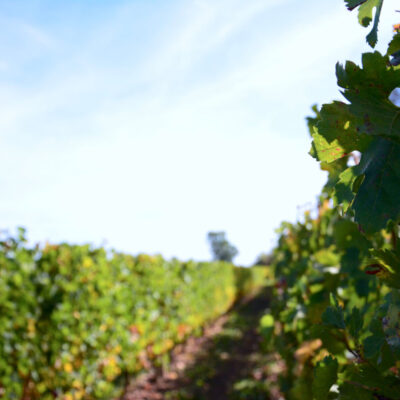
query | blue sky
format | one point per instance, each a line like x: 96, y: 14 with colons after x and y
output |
x: 146, y: 124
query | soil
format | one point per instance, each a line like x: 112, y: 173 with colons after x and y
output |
x: 226, y: 362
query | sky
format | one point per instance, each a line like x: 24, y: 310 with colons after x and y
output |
x: 142, y: 125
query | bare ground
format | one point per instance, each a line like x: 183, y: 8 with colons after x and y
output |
x: 225, y: 363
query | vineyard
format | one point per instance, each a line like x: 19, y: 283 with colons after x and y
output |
x: 74, y: 319
x: 322, y: 321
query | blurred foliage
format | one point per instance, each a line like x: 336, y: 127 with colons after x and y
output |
x: 264, y: 259
x: 334, y: 317
x: 73, y: 319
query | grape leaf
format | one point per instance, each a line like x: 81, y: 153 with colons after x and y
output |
x: 325, y: 375
x: 337, y: 122
x: 394, y: 50
x: 347, y: 234
x: 366, y: 10
x: 369, y: 378
x: 343, y: 193
x: 378, y: 198
x: 354, y: 392
x: 336, y: 134
x: 324, y: 151
x: 394, y: 45
x: 350, y: 261
x: 343, y: 128
x: 355, y: 322
x: 365, y: 15
x: 352, y: 4
x: 334, y: 170
x: 327, y: 256
x: 373, y: 345
x: 333, y: 316
x: 368, y: 90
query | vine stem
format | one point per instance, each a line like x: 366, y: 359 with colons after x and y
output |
x: 394, y: 238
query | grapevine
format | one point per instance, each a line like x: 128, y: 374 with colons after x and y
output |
x: 335, y: 314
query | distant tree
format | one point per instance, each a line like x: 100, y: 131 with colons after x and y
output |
x: 221, y: 249
x: 264, y: 259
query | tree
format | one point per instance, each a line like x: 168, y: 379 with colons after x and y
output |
x: 264, y: 259
x: 221, y: 249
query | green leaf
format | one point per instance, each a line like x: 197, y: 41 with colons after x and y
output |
x: 333, y: 300
x: 325, y: 375
x: 327, y: 257
x: 394, y: 45
x: 350, y: 261
x: 336, y: 134
x: 362, y: 286
x: 301, y: 389
x: 378, y: 198
x: 267, y: 321
x: 355, y: 322
x: 354, y: 392
x: 333, y: 316
x: 352, y: 4
x: 368, y: 90
x: 338, y: 123
x: 370, y: 378
x: 347, y: 235
x: 342, y: 128
x: 267, y: 327
x: 379, y: 162
x: 324, y: 151
x: 366, y: 10
x: 373, y: 345
x: 343, y: 193
x: 365, y: 15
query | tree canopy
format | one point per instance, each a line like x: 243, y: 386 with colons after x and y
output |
x: 221, y: 249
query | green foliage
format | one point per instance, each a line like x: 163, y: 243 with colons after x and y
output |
x: 394, y: 50
x: 335, y: 315
x: 263, y: 259
x: 73, y: 319
x: 330, y: 300
x: 325, y: 375
x: 267, y: 325
x: 248, y: 389
x: 370, y: 124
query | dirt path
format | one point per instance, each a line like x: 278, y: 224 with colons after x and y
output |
x: 224, y: 363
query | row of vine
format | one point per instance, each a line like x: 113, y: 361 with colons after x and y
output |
x: 74, y: 320
x: 335, y: 319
